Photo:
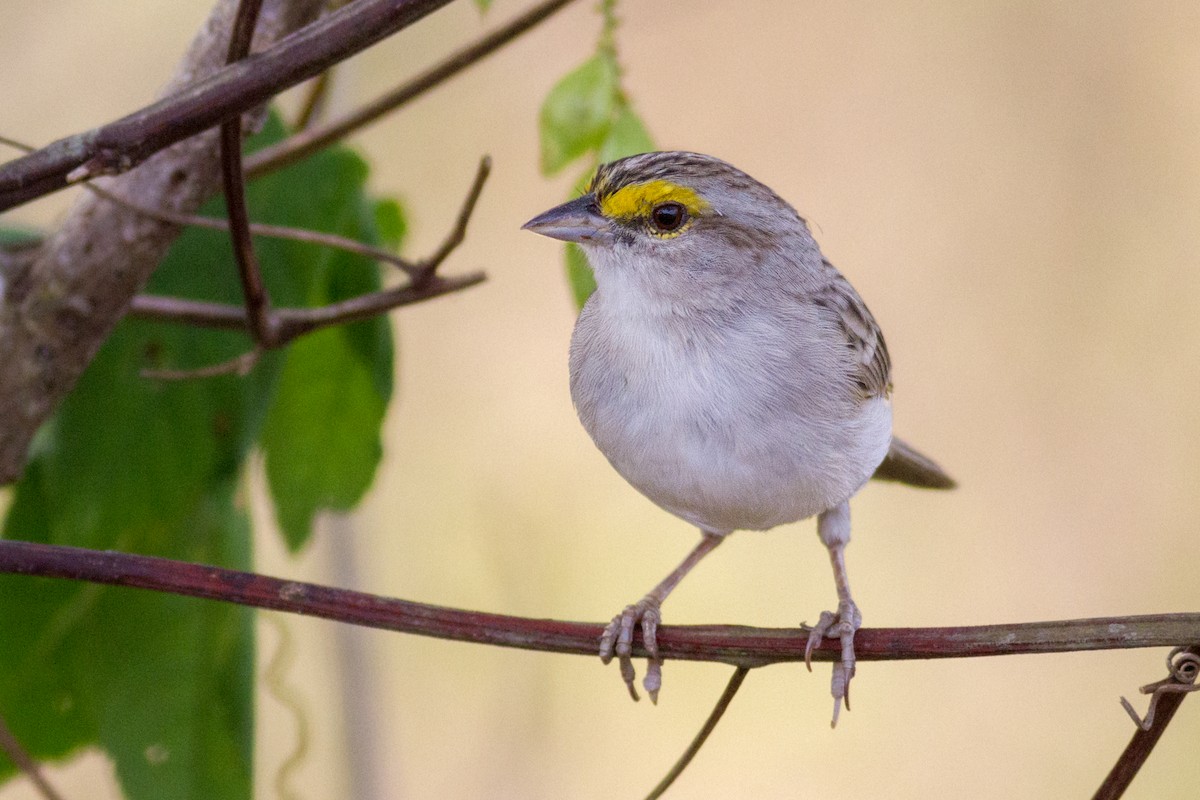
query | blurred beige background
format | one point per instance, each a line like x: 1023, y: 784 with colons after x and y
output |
x: 1014, y: 187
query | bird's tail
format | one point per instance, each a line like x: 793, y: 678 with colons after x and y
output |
x: 904, y: 464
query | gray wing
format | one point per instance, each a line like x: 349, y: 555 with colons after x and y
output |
x: 903, y: 463
x: 873, y: 372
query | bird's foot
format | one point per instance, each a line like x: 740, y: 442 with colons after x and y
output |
x: 841, y: 626
x: 617, y: 640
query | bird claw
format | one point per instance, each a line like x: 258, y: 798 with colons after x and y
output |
x: 617, y: 640
x: 842, y: 626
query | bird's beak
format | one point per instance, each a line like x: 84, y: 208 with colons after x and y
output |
x: 577, y: 221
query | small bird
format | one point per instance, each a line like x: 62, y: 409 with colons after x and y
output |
x: 727, y: 371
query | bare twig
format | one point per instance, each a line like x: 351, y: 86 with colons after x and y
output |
x: 124, y: 143
x: 258, y: 303
x: 238, y: 365
x: 731, y: 689
x: 20, y: 757
x: 1166, y: 697
x: 307, y: 142
x: 427, y: 267
x: 14, y: 144
x: 314, y: 100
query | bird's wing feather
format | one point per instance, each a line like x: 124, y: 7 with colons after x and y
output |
x: 873, y: 367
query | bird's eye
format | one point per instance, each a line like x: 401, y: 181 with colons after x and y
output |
x: 668, y: 217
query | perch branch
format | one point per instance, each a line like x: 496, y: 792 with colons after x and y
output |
x: 731, y: 644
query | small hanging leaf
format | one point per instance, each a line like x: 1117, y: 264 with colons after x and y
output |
x: 579, y: 274
x: 627, y: 136
x: 576, y: 115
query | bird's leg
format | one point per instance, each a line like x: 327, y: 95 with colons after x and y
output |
x: 833, y: 526
x: 618, y: 635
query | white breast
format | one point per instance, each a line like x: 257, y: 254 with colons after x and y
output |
x: 729, y: 424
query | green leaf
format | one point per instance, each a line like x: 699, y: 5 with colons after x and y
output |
x: 322, y: 436
x: 19, y: 237
x: 626, y: 137
x: 390, y: 223
x: 579, y: 274
x: 177, y: 674
x: 576, y: 115
x: 483, y: 5
x: 331, y: 463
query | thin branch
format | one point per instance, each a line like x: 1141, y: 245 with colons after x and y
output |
x: 288, y: 324
x: 306, y: 142
x: 1167, y: 696
x: 25, y: 763
x: 427, y: 267
x: 14, y: 144
x: 299, y: 321
x: 315, y: 98
x: 258, y: 304
x: 730, y: 644
x: 271, y: 231
x: 257, y: 228
x: 294, y: 322
x: 124, y: 143
x: 239, y: 365
x: 731, y: 689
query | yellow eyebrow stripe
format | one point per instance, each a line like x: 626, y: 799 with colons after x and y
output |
x: 636, y: 200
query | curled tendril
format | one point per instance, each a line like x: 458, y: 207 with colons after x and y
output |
x: 1184, y: 668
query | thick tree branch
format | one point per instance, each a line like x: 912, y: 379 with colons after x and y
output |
x: 731, y: 644
x: 124, y: 143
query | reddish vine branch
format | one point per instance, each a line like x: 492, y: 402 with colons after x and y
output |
x: 258, y: 304
x: 732, y: 644
x: 1163, y: 705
